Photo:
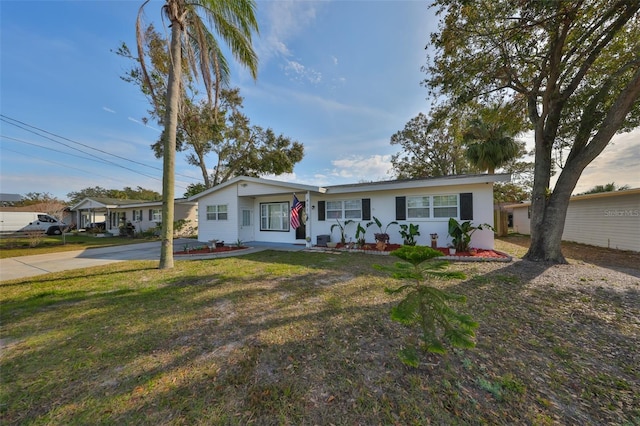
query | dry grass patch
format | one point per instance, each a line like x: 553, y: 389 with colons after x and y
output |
x: 306, y: 338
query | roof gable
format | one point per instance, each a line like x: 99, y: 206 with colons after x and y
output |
x: 259, y: 186
x: 114, y: 203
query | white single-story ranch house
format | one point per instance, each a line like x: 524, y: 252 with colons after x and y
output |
x: 256, y: 209
x: 605, y: 219
x: 143, y: 215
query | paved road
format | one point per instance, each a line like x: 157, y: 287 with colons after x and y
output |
x: 30, y: 266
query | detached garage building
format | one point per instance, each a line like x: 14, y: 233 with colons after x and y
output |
x: 605, y: 219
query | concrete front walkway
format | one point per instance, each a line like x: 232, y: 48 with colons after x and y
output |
x: 31, y: 266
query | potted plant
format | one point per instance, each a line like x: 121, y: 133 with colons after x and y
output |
x: 381, y: 236
x: 343, y: 237
x: 452, y: 249
x: 409, y: 233
x: 461, y: 233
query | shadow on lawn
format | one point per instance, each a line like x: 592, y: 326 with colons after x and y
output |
x: 570, y: 335
x: 317, y: 346
x: 201, y: 352
x: 624, y: 261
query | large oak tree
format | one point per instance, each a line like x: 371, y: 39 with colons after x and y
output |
x: 574, y: 64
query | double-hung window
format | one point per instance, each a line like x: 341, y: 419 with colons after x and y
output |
x: 156, y: 215
x: 137, y: 215
x: 432, y: 206
x: 334, y: 210
x: 418, y: 207
x: 274, y: 217
x: 445, y: 206
x: 344, y: 209
x: 217, y: 212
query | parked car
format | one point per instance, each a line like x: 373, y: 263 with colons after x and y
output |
x: 11, y: 222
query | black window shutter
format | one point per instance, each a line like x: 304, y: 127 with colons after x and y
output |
x: 401, y: 208
x: 150, y: 214
x: 366, y: 209
x: 321, y: 211
x: 466, y: 206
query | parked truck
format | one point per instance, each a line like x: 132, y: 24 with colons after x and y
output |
x: 11, y: 222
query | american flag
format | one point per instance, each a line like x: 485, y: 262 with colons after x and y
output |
x: 295, y: 212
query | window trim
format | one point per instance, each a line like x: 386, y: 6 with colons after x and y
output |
x: 457, y: 206
x: 343, y: 210
x: 216, y: 215
x: 428, y: 207
x: 156, y: 215
x: 432, y: 207
x: 286, y: 216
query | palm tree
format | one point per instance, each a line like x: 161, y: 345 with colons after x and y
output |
x: 489, y: 138
x: 192, y: 42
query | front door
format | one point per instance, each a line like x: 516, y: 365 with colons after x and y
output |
x: 301, y: 231
x: 246, y: 225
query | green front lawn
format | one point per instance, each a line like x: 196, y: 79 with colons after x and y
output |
x: 306, y: 338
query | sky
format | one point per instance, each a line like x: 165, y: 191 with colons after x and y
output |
x: 340, y: 77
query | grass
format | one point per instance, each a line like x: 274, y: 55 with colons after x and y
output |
x: 304, y: 338
x: 19, y: 246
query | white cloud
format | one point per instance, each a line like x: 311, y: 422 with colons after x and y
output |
x: 299, y: 72
x: 362, y: 169
x: 108, y: 110
x: 285, y: 20
x: 617, y: 163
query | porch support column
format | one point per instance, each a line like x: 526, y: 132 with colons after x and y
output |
x: 307, y: 208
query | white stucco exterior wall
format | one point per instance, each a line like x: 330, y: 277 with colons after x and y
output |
x: 248, y: 194
x: 383, y: 207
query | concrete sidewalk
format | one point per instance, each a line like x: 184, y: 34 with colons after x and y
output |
x: 31, y: 266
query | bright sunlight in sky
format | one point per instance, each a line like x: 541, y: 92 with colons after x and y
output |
x: 341, y: 77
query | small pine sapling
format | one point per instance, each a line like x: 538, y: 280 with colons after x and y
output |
x: 428, y: 307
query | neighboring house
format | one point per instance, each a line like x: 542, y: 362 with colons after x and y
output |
x: 604, y: 219
x: 143, y: 215
x: 255, y: 209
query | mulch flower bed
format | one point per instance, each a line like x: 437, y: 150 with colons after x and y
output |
x: 207, y: 250
x: 478, y: 255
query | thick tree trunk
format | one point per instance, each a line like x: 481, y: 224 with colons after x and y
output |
x: 549, y: 210
x: 169, y: 144
x: 544, y: 245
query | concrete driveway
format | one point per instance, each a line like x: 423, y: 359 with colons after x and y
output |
x: 30, y: 266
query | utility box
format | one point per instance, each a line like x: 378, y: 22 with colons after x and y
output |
x: 322, y: 240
